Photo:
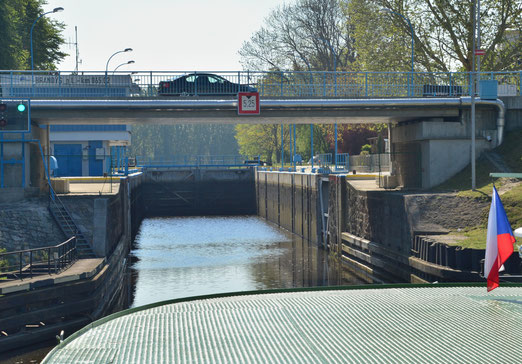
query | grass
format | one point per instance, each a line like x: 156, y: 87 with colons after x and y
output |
x: 511, y: 152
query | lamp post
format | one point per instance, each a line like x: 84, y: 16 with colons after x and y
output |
x: 335, y: 92
x: 472, y: 94
x: 412, y: 42
x: 107, y: 66
x: 55, y: 10
x: 123, y: 64
x: 115, y: 53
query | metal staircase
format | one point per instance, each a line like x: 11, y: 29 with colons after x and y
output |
x: 69, y: 227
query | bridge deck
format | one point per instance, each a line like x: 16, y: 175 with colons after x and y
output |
x: 428, y: 324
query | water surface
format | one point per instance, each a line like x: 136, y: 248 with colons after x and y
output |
x: 190, y: 256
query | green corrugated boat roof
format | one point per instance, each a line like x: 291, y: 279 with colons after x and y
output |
x: 421, y: 324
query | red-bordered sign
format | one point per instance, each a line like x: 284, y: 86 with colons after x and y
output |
x: 248, y: 103
x: 480, y: 52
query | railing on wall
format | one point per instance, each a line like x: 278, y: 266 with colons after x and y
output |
x: 199, y: 161
x: 370, y: 163
x: 27, y: 263
x: 289, y: 84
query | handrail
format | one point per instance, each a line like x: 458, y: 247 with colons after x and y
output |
x: 324, y: 84
x: 42, y: 248
x: 64, y: 255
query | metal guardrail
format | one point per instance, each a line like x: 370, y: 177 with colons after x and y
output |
x: 371, y: 163
x: 199, y: 161
x: 286, y: 84
x: 27, y: 263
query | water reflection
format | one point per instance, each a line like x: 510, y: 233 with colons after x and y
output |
x: 188, y: 256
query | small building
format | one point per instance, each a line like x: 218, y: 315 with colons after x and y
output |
x: 88, y: 150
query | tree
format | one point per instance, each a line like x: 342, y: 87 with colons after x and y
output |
x: 298, y: 37
x: 170, y: 141
x: 16, y: 19
x: 260, y: 139
x: 443, y: 34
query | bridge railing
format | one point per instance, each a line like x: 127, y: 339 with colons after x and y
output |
x: 284, y: 84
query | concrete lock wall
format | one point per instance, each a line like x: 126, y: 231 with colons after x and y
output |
x: 199, y: 192
x: 290, y: 200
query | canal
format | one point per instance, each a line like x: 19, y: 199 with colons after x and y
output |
x: 176, y: 257
x: 189, y: 256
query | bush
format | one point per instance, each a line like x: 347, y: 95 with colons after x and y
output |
x: 366, y: 148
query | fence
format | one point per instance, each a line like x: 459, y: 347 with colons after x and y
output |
x: 314, y: 84
x: 199, y: 161
x: 371, y: 163
x: 27, y: 263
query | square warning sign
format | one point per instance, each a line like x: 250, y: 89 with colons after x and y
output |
x: 248, y: 103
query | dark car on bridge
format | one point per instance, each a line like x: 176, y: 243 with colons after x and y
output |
x: 201, y: 84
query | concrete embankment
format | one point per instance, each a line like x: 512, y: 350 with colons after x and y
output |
x: 37, y: 309
x: 379, y: 235
x: 402, y: 236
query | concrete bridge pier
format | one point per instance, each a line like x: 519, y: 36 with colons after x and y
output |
x: 427, y: 151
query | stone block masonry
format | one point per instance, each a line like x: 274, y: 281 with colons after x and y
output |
x: 28, y: 224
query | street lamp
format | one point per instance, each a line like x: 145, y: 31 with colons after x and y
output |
x: 335, y: 92
x: 107, y: 68
x: 55, y: 10
x: 115, y: 53
x: 123, y: 64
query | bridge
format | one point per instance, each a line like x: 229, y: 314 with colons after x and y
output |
x: 427, y: 109
x: 274, y: 84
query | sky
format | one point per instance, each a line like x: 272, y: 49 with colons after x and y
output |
x: 165, y: 35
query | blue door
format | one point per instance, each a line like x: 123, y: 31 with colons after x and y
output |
x: 95, y: 164
x: 69, y: 157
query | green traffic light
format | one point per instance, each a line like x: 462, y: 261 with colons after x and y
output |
x: 21, y: 107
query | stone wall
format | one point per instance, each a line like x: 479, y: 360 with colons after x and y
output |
x: 28, y: 224
x: 378, y: 216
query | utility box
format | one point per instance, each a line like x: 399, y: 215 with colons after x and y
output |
x: 488, y: 89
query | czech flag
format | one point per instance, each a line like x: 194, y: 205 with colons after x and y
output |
x: 499, y: 243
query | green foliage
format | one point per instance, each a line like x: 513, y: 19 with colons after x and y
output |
x: 265, y: 140
x: 166, y: 141
x: 260, y: 139
x: 366, y: 148
x: 512, y: 201
x: 16, y: 19
x: 443, y: 34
